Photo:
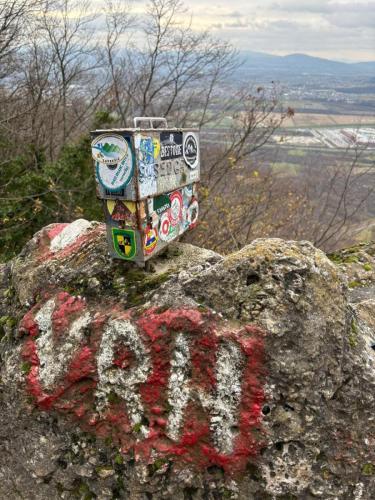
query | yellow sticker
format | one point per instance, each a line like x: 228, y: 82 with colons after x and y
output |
x: 131, y: 206
x: 111, y: 206
x: 156, y: 147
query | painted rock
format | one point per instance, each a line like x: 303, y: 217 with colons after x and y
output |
x: 250, y: 376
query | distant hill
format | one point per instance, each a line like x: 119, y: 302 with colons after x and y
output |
x: 302, y: 65
x: 366, y: 66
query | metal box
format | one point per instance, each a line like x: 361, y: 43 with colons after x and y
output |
x: 147, y: 181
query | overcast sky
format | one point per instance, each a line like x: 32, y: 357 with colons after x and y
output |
x: 338, y: 29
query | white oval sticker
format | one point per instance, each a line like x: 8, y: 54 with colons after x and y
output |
x: 109, y: 149
x: 114, y: 161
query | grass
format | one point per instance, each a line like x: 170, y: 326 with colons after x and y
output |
x: 297, y: 153
x: 354, y: 284
x: 285, y: 169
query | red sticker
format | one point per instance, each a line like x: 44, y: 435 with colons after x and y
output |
x: 165, y: 226
x: 175, y: 212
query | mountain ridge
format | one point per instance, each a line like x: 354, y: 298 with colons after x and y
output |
x: 304, y: 63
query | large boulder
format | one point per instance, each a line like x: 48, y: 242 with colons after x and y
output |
x: 249, y: 376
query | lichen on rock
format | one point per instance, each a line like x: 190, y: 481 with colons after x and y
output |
x: 249, y: 376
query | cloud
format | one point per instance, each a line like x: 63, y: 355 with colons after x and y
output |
x: 329, y: 28
x: 354, y: 16
x: 322, y: 6
x: 341, y: 29
x: 311, y: 6
x: 339, y: 13
x: 289, y: 26
x: 233, y: 13
x: 238, y: 24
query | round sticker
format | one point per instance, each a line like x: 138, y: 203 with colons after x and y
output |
x: 114, y: 161
x: 193, y: 213
x: 191, y: 155
x: 175, y: 212
x: 167, y: 232
x: 109, y: 149
x: 151, y: 240
x: 165, y: 225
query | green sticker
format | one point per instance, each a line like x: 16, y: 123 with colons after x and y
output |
x: 124, y: 243
x: 161, y: 203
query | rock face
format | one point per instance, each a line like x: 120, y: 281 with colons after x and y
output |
x: 250, y: 376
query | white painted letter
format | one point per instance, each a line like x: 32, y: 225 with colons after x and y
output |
x: 123, y: 382
x: 222, y: 404
x: 54, y: 357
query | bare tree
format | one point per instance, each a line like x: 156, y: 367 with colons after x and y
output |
x: 336, y: 198
x: 14, y: 16
x: 253, y: 188
x: 174, y: 70
x: 118, y: 21
x: 70, y: 42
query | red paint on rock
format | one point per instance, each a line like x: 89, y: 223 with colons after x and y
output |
x: 56, y: 230
x: 75, y: 246
x: 74, y: 395
x: 195, y: 446
x: 66, y: 307
x: 45, y: 253
x: 124, y: 358
x: 28, y: 324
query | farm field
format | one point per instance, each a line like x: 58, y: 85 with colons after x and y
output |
x: 310, y: 120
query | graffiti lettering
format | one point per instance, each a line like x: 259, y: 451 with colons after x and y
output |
x: 222, y: 405
x: 125, y: 383
x: 168, y: 168
x: 54, y: 357
x: 172, y: 384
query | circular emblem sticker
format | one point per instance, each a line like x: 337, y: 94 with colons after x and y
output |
x: 165, y: 226
x: 167, y: 232
x: 175, y: 212
x: 109, y: 149
x: 114, y: 161
x: 151, y: 240
x: 191, y: 155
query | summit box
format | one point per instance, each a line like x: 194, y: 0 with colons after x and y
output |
x: 147, y: 179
